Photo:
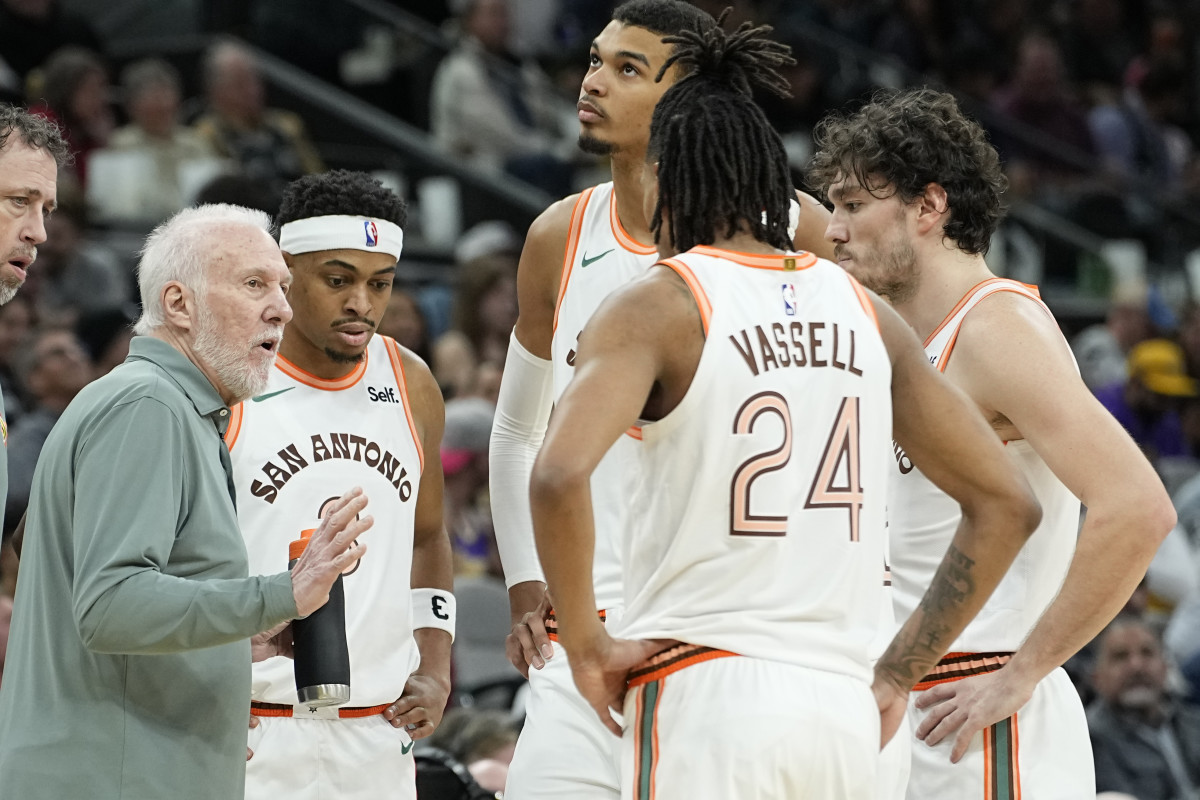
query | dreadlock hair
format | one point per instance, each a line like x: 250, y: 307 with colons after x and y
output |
x: 901, y: 142
x: 664, y: 17
x: 721, y: 166
x: 340, y: 192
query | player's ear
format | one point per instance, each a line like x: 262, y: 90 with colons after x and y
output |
x: 933, y: 206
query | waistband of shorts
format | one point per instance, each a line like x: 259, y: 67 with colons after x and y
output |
x: 552, y: 623
x: 956, y: 666
x: 259, y: 709
x: 673, y: 659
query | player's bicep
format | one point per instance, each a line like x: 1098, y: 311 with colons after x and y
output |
x: 539, y: 274
x: 429, y: 420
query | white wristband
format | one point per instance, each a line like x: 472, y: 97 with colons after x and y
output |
x: 434, y: 608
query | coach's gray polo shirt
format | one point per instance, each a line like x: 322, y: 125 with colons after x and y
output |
x: 128, y: 669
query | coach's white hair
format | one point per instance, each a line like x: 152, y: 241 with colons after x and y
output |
x: 180, y: 249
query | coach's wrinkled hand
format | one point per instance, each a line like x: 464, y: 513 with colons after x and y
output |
x: 331, y: 551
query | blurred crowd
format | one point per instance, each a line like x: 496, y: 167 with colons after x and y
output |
x: 1093, y: 104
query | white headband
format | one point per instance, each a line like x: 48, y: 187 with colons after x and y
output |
x: 337, y: 232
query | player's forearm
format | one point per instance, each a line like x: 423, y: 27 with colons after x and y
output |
x: 982, y: 550
x: 1111, y: 556
x: 434, y: 646
x: 565, y: 535
x: 522, y: 410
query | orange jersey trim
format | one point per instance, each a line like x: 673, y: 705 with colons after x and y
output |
x: 621, y: 235
x: 325, y: 385
x: 634, y: 432
x: 799, y: 261
x: 235, y: 425
x: 864, y: 300
x: 697, y: 290
x: 398, y: 368
x: 966, y: 298
x: 944, y: 359
x: 573, y: 234
x: 258, y: 709
x: 671, y: 660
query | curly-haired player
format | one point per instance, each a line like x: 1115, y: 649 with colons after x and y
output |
x: 345, y: 407
x: 916, y: 191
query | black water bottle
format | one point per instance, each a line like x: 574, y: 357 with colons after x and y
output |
x: 322, y: 659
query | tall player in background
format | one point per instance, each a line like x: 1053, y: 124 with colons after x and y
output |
x: 577, y: 252
x: 764, y: 384
x: 916, y: 193
x: 347, y: 408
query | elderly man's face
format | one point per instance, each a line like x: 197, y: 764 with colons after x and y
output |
x: 242, y: 311
x: 28, y: 188
x: 1130, y: 671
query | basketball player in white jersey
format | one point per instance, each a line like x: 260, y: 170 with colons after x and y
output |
x: 916, y: 193
x: 577, y: 252
x: 347, y: 408
x: 762, y: 385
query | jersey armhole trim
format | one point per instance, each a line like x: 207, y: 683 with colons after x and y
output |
x: 1022, y: 289
x: 863, y: 300
x: 398, y: 368
x: 235, y: 425
x: 693, y: 284
x: 572, y: 246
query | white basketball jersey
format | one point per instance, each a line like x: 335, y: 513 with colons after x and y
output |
x: 923, y: 520
x: 758, y: 518
x: 302, y: 443
x: 600, y: 258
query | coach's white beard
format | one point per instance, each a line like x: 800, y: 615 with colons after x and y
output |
x: 243, y: 373
x: 8, y: 290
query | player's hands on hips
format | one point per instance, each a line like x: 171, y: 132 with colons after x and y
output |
x: 253, y: 725
x: 330, y: 552
x: 892, y: 702
x: 528, y: 644
x: 420, y: 708
x: 970, y: 705
x: 601, y: 670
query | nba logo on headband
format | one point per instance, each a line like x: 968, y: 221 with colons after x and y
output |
x: 371, y: 231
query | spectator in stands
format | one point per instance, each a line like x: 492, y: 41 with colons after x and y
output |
x: 167, y: 151
x: 106, y: 335
x: 1137, y: 135
x: 1099, y: 41
x: 1039, y: 96
x: 270, y: 145
x: 1147, y: 403
x: 33, y: 29
x: 240, y: 190
x: 1144, y: 741
x: 1102, y: 350
x: 497, y: 111
x: 54, y: 367
x: 485, y: 311
x: 465, y: 464
x: 75, y: 94
x: 405, y: 322
x: 483, y: 740
x: 16, y: 319
x: 75, y: 276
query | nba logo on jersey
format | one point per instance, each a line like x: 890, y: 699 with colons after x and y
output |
x: 789, y: 299
x: 371, y: 231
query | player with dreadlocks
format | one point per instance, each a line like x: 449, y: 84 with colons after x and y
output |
x: 579, y: 251
x: 765, y: 386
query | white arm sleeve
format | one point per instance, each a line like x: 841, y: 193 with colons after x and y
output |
x: 522, y: 412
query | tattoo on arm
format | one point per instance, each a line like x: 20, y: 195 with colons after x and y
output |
x: 925, y: 637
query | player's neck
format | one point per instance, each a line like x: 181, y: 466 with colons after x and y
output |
x: 743, y: 242
x: 312, y: 359
x: 627, y: 186
x: 945, y: 278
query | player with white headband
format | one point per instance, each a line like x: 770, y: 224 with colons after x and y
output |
x: 348, y: 408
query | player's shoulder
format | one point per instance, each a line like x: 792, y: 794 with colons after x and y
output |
x: 424, y: 394
x: 1011, y: 330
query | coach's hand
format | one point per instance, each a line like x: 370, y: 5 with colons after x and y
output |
x: 330, y: 552
x: 528, y: 644
x: 601, y: 671
x: 970, y: 705
x: 275, y: 641
x: 421, y: 706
